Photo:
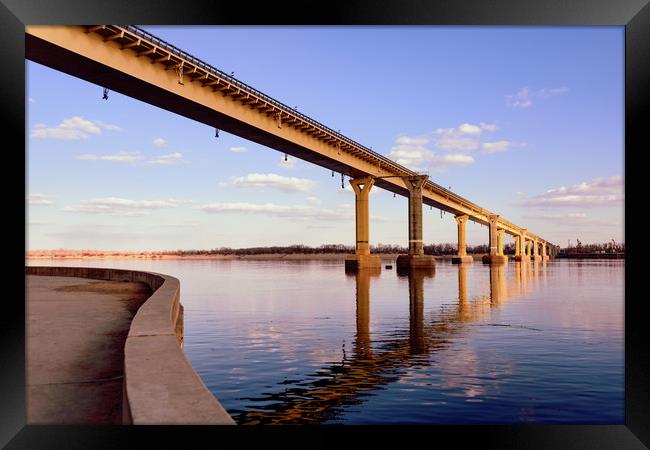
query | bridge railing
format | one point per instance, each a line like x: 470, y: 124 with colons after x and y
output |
x: 161, y: 43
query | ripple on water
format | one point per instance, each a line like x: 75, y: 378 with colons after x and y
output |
x: 283, y: 342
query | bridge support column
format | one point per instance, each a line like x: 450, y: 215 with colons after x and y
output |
x: 494, y: 257
x: 462, y: 256
x: 545, y: 256
x: 520, y: 247
x: 416, y: 257
x: 535, y: 256
x: 500, y: 234
x: 362, y: 257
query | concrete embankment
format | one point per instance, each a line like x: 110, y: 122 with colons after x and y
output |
x: 66, y: 307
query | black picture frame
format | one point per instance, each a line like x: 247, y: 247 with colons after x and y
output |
x: 14, y: 14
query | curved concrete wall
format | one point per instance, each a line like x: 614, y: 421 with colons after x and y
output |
x: 160, y: 385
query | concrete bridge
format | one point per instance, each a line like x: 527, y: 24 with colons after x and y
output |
x: 129, y: 60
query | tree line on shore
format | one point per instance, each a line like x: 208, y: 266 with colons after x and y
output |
x: 607, y: 247
x: 431, y: 249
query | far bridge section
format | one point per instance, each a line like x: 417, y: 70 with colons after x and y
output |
x: 131, y: 61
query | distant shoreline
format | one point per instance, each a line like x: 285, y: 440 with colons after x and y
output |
x: 593, y: 256
x: 259, y: 257
x: 268, y: 256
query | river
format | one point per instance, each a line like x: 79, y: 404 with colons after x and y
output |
x: 302, y: 342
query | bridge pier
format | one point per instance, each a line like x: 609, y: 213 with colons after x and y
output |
x: 545, y: 256
x: 535, y: 256
x: 462, y: 256
x: 495, y: 256
x: 416, y: 258
x: 520, y: 247
x: 362, y: 258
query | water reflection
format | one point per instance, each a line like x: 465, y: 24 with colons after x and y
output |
x: 322, y: 396
x: 416, y: 277
x: 362, y: 344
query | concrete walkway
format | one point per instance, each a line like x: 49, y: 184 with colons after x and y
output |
x: 76, y: 329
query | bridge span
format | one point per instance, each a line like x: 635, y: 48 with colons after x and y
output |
x: 131, y: 61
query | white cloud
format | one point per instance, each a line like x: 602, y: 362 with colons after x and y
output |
x: 457, y: 144
x: 123, y: 206
x: 108, y: 126
x: 313, y: 200
x: 238, y: 149
x: 167, y: 160
x: 39, y: 199
x: 74, y: 128
x: 463, y: 139
x: 343, y: 212
x: 274, y: 181
x: 442, y: 163
x: 496, y: 147
x: 488, y: 127
x: 550, y: 92
x: 414, y: 157
x: 524, y: 96
x: 289, y: 163
x: 159, y: 142
x: 521, y: 99
x: 468, y: 128
x: 405, y: 140
x: 596, y: 193
x: 119, y: 157
x: 559, y: 217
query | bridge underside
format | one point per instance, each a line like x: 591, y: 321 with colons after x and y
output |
x: 59, y: 58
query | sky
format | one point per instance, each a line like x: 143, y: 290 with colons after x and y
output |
x: 527, y: 122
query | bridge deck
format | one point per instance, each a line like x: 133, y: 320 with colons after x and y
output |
x: 129, y: 60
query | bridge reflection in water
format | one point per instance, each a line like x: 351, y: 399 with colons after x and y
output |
x: 371, y: 367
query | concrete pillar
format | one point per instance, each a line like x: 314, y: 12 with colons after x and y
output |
x: 535, y: 246
x: 414, y: 185
x: 545, y: 256
x: 517, y: 246
x: 362, y: 257
x: 362, y: 188
x: 520, y: 246
x: 462, y: 256
x: 493, y: 235
x: 494, y: 257
x: 500, y: 234
x: 416, y: 257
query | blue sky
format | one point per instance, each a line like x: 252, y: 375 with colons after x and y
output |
x: 525, y: 121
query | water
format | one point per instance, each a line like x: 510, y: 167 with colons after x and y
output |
x: 302, y: 342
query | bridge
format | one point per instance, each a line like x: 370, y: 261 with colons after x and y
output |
x: 131, y: 61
